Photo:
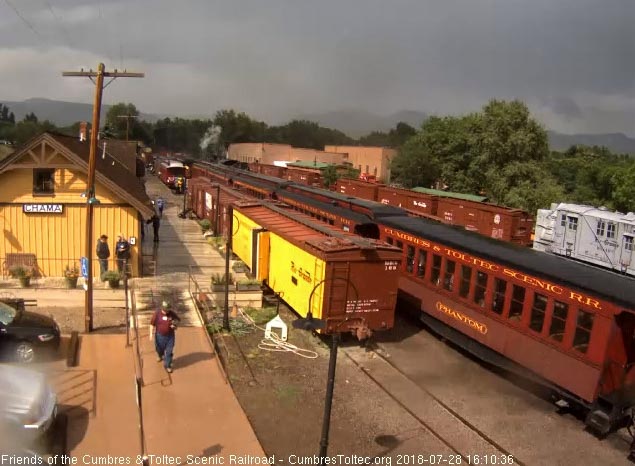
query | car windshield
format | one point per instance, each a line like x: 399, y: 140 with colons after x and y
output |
x: 7, y: 314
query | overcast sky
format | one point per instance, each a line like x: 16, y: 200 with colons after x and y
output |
x: 572, y: 61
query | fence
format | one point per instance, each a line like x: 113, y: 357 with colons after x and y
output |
x: 44, y: 268
x: 199, y: 298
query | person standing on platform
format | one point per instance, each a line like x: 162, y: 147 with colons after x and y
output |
x: 103, y: 254
x: 160, y: 205
x: 156, y: 223
x: 164, y: 325
x: 123, y: 252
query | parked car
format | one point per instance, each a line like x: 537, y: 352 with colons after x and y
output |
x: 24, y: 335
x: 28, y: 404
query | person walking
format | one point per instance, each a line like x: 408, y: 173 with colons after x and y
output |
x: 122, y: 251
x: 103, y: 254
x: 164, y: 325
x: 160, y: 206
x: 156, y: 223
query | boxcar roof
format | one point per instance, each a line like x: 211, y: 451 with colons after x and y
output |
x: 602, y: 283
x: 377, y: 209
x: 291, y: 228
x: 356, y: 217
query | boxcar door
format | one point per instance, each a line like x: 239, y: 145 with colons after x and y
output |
x: 571, y: 231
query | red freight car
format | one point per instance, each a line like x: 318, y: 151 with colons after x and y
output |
x: 567, y: 323
x: 356, y: 188
x: 513, y: 225
x: 308, y: 177
x: 347, y: 281
x: 411, y: 201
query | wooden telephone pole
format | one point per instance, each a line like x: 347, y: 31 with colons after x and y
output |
x: 100, y: 74
x: 127, y: 117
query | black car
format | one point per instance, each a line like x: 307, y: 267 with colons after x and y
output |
x: 24, y: 335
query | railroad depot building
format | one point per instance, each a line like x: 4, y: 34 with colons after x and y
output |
x: 374, y: 161
x: 43, y: 205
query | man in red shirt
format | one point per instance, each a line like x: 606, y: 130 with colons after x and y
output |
x: 164, y: 323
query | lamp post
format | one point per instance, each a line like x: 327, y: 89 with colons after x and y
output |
x: 228, y: 246
x: 310, y: 323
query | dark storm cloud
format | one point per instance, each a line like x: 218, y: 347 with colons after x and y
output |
x: 571, y: 60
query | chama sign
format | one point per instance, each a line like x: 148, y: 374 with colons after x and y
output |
x: 42, y: 208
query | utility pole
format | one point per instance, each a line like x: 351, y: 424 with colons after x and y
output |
x: 127, y: 117
x: 91, y: 200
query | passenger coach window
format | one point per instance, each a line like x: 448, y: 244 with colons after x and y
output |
x: 481, y: 286
x: 466, y: 275
x: 389, y: 240
x: 410, y: 259
x: 518, y: 300
x: 399, y: 245
x: 448, y: 279
x: 558, y: 321
x: 436, y: 269
x: 498, y: 304
x: 538, y: 312
x: 583, y: 329
x: 421, y: 265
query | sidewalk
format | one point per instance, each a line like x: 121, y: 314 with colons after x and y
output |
x: 192, y: 411
x: 112, y: 428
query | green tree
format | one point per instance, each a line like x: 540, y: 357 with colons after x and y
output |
x: 238, y: 127
x: 117, y: 121
x: 30, y: 117
x: 524, y: 185
x: 623, y: 188
x: 329, y: 176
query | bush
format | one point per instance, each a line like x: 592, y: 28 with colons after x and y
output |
x: 71, y: 272
x: 20, y: 271
x: 111, y: 276
x: 249, y: 281
x: 205, y: 225
x: 220, y: 279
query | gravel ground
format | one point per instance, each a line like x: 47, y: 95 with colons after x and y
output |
x: 283, y: 396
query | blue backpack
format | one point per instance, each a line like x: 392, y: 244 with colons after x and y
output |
x: 160, y: 203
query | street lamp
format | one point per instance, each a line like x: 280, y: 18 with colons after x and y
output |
x: 310, y: 323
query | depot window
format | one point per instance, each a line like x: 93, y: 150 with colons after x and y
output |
x: 563, y: 220
x: 466, y: 276
x: 436, y: 269
x: 500, y: 288
x: 479, y: 290
x: 558, y: 321
x: 628, y: 243
x: 610, y: 230
x: 518, y: 301
x: 448, y: 278
x: 538, y: 312
x: 43, y: 181
x: 583, y: 328
x: 421, y: 263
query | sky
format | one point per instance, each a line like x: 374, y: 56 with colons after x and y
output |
x: 571, y: 61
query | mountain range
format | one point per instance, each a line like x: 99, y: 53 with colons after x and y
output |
x: 354, y: 123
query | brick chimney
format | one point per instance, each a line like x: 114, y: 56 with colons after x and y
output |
x: 83, y: 131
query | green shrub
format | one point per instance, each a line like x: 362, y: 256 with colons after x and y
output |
x: 220, y: 279
x: 205, y: 224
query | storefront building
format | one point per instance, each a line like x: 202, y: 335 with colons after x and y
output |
x: 43, y: 205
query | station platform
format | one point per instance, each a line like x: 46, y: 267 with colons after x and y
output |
x: 192, y: 411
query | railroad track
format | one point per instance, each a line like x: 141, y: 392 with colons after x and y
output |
x: 449, y: 427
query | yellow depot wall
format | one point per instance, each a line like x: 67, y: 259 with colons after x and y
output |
x: 17, y: 186
x: 288, y: 262
x: 59, y: 239
x: 242, y: 240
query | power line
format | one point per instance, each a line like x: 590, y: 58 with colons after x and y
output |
x: 61, y: 25
x: 29, y: 25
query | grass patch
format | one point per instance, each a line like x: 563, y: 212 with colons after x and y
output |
x: 261, y: 315
x: 287, y: 393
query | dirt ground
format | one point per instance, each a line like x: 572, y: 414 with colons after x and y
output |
x: 283, y: 396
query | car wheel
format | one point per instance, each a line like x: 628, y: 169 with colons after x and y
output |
x: 24, y: 352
